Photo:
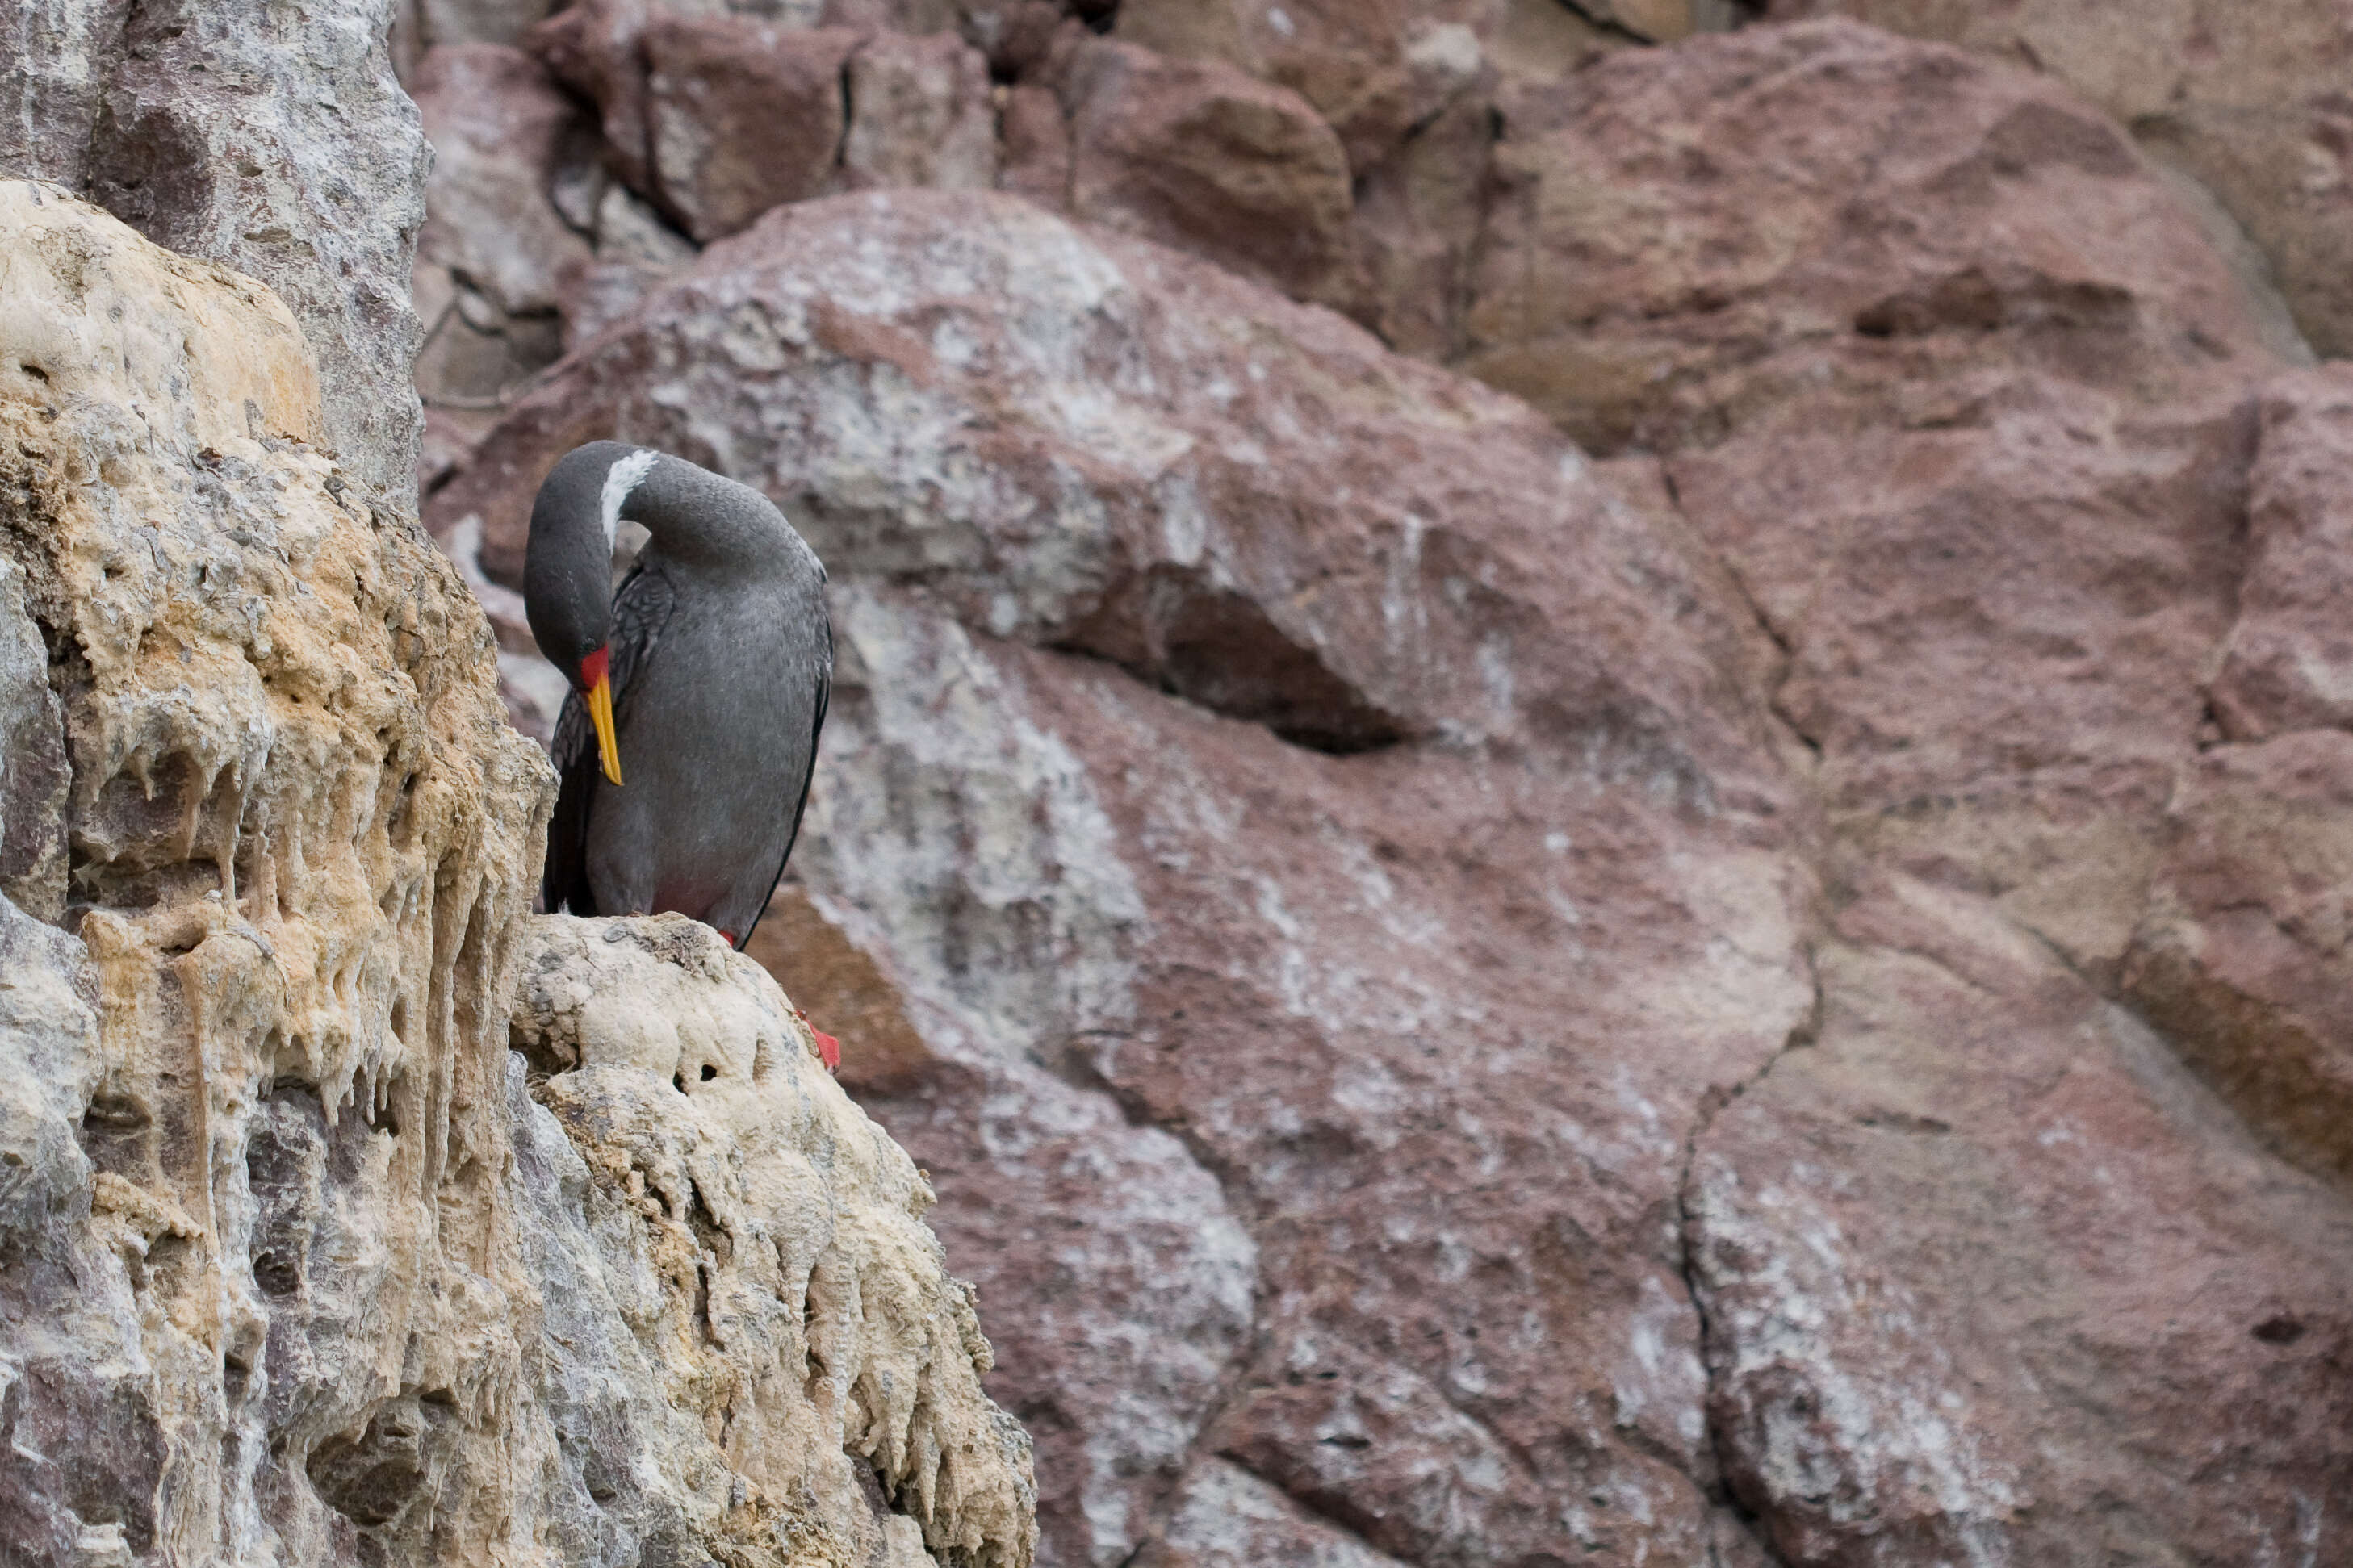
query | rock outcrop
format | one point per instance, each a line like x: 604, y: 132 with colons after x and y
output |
x: 273, y: 139
x: 1479, y: 1005
x: 1740, y: 962
x: 2250, y: 101
x: 305, y: 1269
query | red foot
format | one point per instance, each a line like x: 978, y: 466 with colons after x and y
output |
x: 728, y: 937
x: 829, y: 1049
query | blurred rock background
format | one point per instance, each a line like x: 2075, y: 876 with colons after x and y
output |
x: 1590, y: 793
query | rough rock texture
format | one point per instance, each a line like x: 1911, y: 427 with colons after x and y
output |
x: 1869, y: 359
x: 1803, y: 220
x: 1990, y: 1279
x: 747, y: 1327
x: 298, y: 1273
x: 1773, y: 997
x: 495, y: 256
x: 298, y: 836
x: 34, y: 770
x: 920, y: 114
x: 1449, y: 1027
x: 2250, y: 99
x: 1205, y: 1009
x: 2289, y: 663
x: 740, y: 116
x: 1202, y: 155
x: 272, y: 139
x: 499, y: 129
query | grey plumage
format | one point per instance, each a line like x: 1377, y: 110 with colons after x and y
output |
x: 720, y: 659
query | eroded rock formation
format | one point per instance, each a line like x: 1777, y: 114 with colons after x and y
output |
x: 274, y: 140
x: 1739, y: 963
x: 303, y: 1268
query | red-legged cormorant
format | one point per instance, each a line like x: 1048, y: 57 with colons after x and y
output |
x: 703, y: 681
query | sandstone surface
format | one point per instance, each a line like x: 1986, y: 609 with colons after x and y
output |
x: 1804, y: 220
x: 1989, y: 1277
x: 307, y: 1266
x: 2250, y: 99
x: 2289, y: 662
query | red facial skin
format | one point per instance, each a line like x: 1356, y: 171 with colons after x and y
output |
x: 593, y: 668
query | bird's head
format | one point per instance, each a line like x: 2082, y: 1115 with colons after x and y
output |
x: 567, y: 573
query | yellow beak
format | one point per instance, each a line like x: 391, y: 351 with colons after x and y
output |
x: 600, y: 709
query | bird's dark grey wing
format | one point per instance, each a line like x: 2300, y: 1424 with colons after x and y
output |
x: 800, y: 802
x: 641, y: 610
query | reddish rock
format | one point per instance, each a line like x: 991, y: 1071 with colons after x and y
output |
x: 1447, y: 1360
x: 920, y: 114
x: 1199, y: 155
x: 1996, y: 622
x: 1989, y: 1277
x: 2241, y: 958
x: 1805, y: 218
x: 1225, y: 1517
x: 1954, y: 383
x: 1416, y: 225
x: 440, y: 23
x: 594, y: 46
x: 741, y: 116
x: 2249, y: 98
x: 498, y: 124
x: 1408, y: 89
x: 1035, y: 146
x: 1354, y: 62
x: 2289, y: 665
x: 1301, y: 853
x: 1351, y: 981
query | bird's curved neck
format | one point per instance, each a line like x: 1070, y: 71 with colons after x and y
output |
x: 696, y: 517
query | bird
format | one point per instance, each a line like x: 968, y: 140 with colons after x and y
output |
x: 703, y: 680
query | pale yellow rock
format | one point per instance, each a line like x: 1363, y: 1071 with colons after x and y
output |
x: 284, y: 1290
x: 805, y: 1315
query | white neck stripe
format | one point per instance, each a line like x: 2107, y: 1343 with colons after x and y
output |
x: 619, y: 480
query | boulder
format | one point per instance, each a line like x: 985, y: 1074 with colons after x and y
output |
x: 1955, y: 384
x: 1772, y: 996
x: 1373, y: 72
x: 2249, y: 100
x: 2240, y: 958
x: 1210, y: 680
x: 1199, y: 155
x: 1989, y: 1277
x: 300, y: 831
x: 727, y: 1246
x: 741, y: 116
x: 499, y: 126
x: 277, y: 143
x: 1802, y: 219
x: 920, y: 114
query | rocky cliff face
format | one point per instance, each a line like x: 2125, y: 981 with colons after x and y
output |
x: 272, y: 139
x: 1588, y: 797
x: 306, y: 1266
x: 1731, y: 957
